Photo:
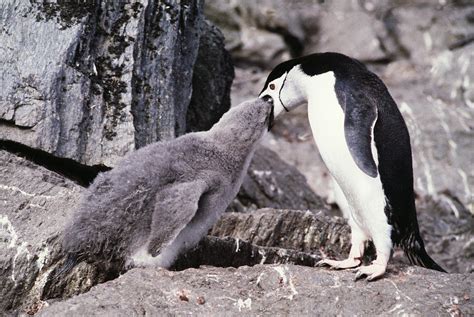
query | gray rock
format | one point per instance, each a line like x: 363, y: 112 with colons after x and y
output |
x: 270, y: 182
x: 448, y: 237
x: 259, y: 32
x: 429, y: 28
x: 93, y: 82
x: 35, y: 204
x: 310, y: 232
x: 438, y: 108
x: 347, y: 27
x: 269, y: 290
x: 448, y: 232
x: 212, y: 78
x: 234, y: 252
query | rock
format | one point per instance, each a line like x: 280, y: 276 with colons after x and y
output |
x: 448, y: 230
x: 448, y: 236
x: 260, y: 33
x: 35, y: 204
x: 272, y: 290
x: 166, y: 52
x: 348, y: 28
x: 270, y: 182
x: 437, y: 108
x: 92, y: 82
x: 309, y: 232
x: 212, y: 78
x: 232, y: 252
x: 427, y: 29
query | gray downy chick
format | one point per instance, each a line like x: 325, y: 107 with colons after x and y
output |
x: 162, y: 199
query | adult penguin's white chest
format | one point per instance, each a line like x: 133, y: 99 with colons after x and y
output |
x: 326, y: 118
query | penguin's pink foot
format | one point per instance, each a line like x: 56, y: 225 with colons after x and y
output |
x: 373, y: 271
x: 339, y: 265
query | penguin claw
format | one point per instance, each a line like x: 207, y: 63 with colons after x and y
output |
x: 370, y: 278
x: 359, y: 275
x: 373, y: 272
x: 338, y: 265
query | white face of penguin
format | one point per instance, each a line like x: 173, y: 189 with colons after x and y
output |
x: 287, y: 91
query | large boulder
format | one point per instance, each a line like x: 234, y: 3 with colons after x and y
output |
x: 269, y: 290
x: 93, y: 82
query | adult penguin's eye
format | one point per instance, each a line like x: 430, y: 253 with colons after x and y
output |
x: 272, y: 86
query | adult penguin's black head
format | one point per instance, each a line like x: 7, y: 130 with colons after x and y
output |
x: 287, y: 82
x: 282, y: 87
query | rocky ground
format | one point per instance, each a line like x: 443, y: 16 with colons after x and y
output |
x: 96, y: 83
x: 269, y: 290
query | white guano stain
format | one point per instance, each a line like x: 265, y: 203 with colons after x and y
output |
x: 17, y: 189
x: 262, y: 173
x: 264, y: 256
x: 42, y: 256
x: 244, y: 304
x: 286, y: 280
x: 7, y: 227
x: 399, y: 292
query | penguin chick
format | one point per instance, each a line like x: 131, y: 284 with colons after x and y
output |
x: 163, y: 198
x: 364, y: 142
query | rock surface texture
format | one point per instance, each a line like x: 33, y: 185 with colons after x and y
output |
x: 311, y: 232
x: 93, y: 82
x: 269, y: 290
x: 35, y: 205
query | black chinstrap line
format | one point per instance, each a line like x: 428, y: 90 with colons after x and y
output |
x: 279, y: 93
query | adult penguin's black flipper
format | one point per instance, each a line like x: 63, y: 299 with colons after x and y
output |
x: 360, y: 116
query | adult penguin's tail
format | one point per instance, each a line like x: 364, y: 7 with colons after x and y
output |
x: 414, y: 249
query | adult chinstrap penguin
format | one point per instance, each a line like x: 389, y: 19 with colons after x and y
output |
x: 162, y: 199
x: 364, y: 142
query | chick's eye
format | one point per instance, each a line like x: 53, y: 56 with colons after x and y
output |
x: 272, y: 86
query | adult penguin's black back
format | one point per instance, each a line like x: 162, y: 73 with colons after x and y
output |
x: 392, y: 141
